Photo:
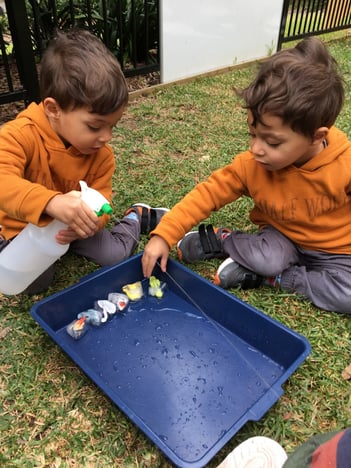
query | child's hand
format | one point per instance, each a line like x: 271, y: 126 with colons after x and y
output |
x: 156, y: 248
x: 73, y: 211
x: 66, y: 236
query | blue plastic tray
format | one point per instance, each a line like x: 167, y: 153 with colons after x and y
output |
x: 190, y: 369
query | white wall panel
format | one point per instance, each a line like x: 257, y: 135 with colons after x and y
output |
x: 198, y: 36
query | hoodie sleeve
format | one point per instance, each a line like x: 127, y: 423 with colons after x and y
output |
x: 222, y: 187
x: 20, y: 198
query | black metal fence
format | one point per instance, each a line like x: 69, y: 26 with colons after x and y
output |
x: 129, y: 28
x: 17, y: 56
x: 301, y: 18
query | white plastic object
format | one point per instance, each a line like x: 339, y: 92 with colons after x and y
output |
x: 256, y: 452
x: 94, y: 199
x: 35, y: 248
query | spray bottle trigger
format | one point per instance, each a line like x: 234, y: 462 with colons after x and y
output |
x: 105, y: 209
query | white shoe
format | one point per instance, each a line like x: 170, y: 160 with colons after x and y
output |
x: 256, y: 452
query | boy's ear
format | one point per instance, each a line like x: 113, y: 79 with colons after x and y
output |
x: 320, y: 135
x: 52, y: 109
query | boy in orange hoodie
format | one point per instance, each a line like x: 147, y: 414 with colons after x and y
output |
x: 51, y: 146
x: 298, y: 174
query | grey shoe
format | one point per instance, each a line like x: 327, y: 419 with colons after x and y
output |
x: 203, y: 244
x: 231, y: 275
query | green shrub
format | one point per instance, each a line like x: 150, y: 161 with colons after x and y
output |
x: 125, y: 26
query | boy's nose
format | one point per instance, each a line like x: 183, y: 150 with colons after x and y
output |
x: 105, y: 136
x: 257, y: 148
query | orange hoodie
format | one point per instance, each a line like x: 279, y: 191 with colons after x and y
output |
x: 35, y: 166
x: 311, y: 204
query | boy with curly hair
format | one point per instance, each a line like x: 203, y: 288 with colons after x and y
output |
x: 298, y: 174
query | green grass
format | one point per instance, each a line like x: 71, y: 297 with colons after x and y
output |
x: 52, y: 415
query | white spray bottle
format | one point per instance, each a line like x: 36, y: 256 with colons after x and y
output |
x: 35, y: 248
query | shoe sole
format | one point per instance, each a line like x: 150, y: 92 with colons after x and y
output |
x: 257, y: 451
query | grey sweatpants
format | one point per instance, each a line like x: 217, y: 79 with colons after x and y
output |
x: 323, y: 278
x: 105, y: 248
x: 109, y: 247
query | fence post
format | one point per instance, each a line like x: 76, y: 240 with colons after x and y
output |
x: 22, y: 43
x: 285, y: 11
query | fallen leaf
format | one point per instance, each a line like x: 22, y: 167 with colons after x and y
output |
x: 346, y: 373
x: 4, y: 332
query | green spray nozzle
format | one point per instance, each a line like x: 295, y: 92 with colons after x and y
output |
x: 105, y: 209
